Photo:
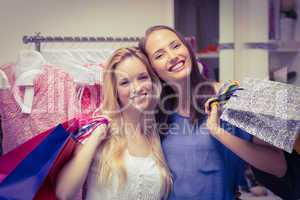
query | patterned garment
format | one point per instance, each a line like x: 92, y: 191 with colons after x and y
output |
x: 268, y: 110
x: 88, y: 98
x: 57, y: 98
x: 1, y: 136
x: 3, y: 80
x: 54, y: 102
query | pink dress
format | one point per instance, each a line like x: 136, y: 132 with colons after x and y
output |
x: 53, y: 103
x: 57, y: 98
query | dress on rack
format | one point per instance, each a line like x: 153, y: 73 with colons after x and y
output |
x: 53, y: 103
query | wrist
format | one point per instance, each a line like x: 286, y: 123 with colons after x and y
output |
x: 96, y: 137
x: 212, y: 126
x: 216, y: 130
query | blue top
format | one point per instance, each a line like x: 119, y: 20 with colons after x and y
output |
x: 202, y: 167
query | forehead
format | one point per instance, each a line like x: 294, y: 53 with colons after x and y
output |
x: 130, y: 67
x: 159, y: 39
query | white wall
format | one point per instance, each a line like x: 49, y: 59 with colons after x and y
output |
x: 290, y: 60
x: 250, y: 24
x: 242, y: 21
x: 226, y: 35
x: 77, y: 18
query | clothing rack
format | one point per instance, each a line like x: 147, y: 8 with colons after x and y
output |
x: 37, y: 39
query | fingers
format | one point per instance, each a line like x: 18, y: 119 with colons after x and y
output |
x: 213, y: 118
x: 214, y: 109
x: 101, y: 127
x: 101, y: 130
x: 236, y: 82
x: 209, y: 104
x: 206, y: 107
x: 102, y: 116
x: 105, y: 119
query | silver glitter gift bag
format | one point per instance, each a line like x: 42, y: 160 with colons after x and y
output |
x: 267, y: 110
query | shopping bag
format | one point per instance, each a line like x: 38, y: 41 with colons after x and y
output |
x: 34, y: 176
x: 47, y: 190
x: 268, y: 110
x: 85, y: 127
x: 24, y: 181
x: 10, y: 160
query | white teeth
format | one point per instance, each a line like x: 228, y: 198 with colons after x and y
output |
x: 177, y: 66
x: 137, y: 96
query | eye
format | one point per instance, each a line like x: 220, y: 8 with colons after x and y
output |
x: 144, y: 77
x: 176, y: 46
x: 158, y: 56
x: 124, y: 82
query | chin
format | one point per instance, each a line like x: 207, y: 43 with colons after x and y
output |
x: 142, y: 107
x: 181, y: 75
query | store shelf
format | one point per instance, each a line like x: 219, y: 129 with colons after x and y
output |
x: 207, y: 55
x: 286, y: 46
x: 276, y: 46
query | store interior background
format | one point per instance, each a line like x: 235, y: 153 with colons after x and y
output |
x: 211, y: 22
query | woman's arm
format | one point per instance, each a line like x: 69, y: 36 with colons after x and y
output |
x: 258, y: 153
x: 73, y: 175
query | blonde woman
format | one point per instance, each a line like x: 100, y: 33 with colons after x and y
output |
x: 124, y: 160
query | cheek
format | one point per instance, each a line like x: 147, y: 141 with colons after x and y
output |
x: 149, y: 87
x: 160, y: 69
x: 123, y: 95
x: 189, y: 59
x: 187, y: 55
x: 159, y: 65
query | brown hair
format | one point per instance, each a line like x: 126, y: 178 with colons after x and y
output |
x: 195, y: 79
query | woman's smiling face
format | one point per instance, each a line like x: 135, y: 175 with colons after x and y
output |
x: 168, y: 55
x: 133, y: 84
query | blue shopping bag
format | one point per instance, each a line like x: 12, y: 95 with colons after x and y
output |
x: 34, y: 176
x: 25, y: 181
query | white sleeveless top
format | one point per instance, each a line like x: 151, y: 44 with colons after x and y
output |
x: 143, y: 181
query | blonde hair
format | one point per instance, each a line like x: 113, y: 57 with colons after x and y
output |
x: 112, y: 150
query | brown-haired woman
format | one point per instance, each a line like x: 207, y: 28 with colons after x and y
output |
x: 204, y: 158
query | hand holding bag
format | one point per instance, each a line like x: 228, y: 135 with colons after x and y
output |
x: 268, y: 110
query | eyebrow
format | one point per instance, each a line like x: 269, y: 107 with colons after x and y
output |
x: 173, y: 42
x: 121, y: 78
x: 159, y: 50
x: 143, y: 73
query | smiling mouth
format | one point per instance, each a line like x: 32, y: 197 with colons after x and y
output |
x: 144, y: 94
x: 177, y: 67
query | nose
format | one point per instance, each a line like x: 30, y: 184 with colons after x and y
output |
x: 171, y: 53
x: 172, y: 57
x: 136, y: 87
